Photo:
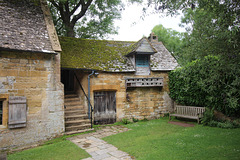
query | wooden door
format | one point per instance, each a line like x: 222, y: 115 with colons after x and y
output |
x: 104, y: 107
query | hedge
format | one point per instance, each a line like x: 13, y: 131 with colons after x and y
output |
x: 210, y: 82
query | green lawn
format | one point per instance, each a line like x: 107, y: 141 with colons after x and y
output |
x: 156, y: 139
x: 151, y: 140
x: 58, y: 150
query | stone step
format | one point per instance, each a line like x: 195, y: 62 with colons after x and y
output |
x: 77, y: 127
x: 76, y: 117
x: 70, y: 96
x: 74, y: 112
x: 78, y: 131
x: 76, y: 107
x: 76, y: 122
x: 70, y: 99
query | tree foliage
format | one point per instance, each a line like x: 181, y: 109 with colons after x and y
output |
x: 85, y: 18
x: 171, y: 39
x: 214, y: 29
x: 210, y: 75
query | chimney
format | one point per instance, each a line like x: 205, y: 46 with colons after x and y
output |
x: 153, y: 38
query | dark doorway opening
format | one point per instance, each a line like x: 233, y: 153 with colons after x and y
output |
x: 67, y: 78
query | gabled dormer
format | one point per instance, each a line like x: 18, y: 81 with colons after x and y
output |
x: 140, y: 56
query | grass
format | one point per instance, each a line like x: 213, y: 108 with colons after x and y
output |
x: 55, y: 149
x: 157, y: 139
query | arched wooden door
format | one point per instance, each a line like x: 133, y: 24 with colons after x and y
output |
x: 104, y: 107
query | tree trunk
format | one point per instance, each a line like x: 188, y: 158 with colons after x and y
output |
x: 70, y: 33
x: 70, y: 30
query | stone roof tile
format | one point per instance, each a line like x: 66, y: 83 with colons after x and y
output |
x: 143, y: 46
x: 163, y: 59
x: 23, y: 27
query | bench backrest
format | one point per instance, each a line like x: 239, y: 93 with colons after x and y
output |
x: 190, y: 111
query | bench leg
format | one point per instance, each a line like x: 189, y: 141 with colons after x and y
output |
x: 3, y: 156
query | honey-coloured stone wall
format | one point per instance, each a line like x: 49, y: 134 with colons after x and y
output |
x: 139, y: 103
x: 35, y: 76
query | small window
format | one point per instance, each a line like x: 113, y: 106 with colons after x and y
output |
x: 1, y: 112
x: 142, y: 61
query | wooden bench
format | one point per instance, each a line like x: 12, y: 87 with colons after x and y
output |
x: 188, y: 112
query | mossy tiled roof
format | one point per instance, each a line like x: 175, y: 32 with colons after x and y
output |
x: 96, y: 54
x: 113, y: 56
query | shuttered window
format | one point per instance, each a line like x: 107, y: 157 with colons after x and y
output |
x: 1, y: 112
x: 17, y: 112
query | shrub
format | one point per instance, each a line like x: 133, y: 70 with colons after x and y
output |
x: 125, y: 121
x: 225, y: 125
x: 207, y: 117
x: 135, y: 119
x: 211, y: 82
x: 210, y: 120
x: 144, y: 119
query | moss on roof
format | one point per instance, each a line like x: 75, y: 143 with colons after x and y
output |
x: 95, y: 54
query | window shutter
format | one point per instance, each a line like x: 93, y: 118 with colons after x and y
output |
x: 17, y: 112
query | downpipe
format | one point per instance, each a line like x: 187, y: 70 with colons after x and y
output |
x: 90, y: 109
x: 89, y: 85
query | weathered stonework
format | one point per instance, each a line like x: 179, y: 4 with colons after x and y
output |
x: 115, y: 62
x: 30, y: 68
x: 149, y: 102
x: 32, y: 75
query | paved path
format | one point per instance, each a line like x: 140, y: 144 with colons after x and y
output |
x: 99, y: 149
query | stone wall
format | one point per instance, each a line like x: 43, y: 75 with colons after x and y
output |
x: 150, y: 102
x: 35, y: 76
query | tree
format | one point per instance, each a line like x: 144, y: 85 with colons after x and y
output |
x: 214, y: 26
x: 171, y: 39
x: 210, y: 75
x: 214, y: 30
x: 85, y: 16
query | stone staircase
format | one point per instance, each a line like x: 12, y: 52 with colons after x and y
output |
x: 76, y: 120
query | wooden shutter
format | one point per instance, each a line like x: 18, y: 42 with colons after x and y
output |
x: 17, y: 112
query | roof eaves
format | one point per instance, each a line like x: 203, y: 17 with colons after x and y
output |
x: 30, y: 51
x: 163, y: 70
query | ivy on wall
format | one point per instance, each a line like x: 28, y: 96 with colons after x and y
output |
x: 209, y: 82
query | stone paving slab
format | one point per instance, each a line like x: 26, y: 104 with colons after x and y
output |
x: 98, y: 148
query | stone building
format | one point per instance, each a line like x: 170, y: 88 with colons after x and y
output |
x: 31, y: 94
x: 123, y: 79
